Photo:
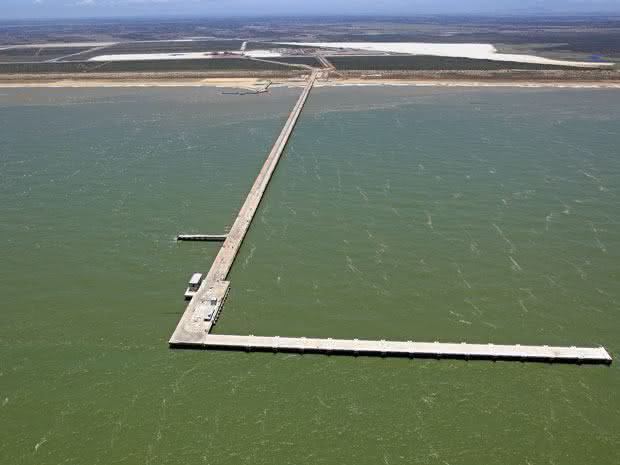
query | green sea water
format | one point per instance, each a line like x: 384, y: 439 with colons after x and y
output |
x: 478, y: 215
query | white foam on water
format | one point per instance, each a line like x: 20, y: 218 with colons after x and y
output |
x: 548, y: 220
x: 523, y: 307
x: 515, y: 265
x: 429, y: 220
x: 362, y: 193
x: 512, y: 249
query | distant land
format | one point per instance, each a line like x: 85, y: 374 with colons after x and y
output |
x: 521, y: 49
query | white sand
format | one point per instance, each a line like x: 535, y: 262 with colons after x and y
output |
x: 262, y: 54
x: 159, y: 56
x: 476, y: 51
x: 183, y: 55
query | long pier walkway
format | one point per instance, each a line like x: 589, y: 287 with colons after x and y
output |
x: 590, y: 355
x: 203, y: 310
x: 206, y: 304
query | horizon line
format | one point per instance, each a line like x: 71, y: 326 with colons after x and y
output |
x: 368, y: 16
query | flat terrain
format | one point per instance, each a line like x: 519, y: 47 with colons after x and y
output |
x: 34, y: 54
x: 165, y: 47
x: 43, y: 48
x: 153, y: 66
x: 432, y: 63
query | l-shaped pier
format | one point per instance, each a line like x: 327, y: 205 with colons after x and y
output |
x: 193, y: 330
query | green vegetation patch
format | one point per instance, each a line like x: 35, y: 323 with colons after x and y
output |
x: 214, y: 64
x: 27, y: 54
x: 302, y: 60
x: 209, y: 64
x: 273, y: 45
x: 166, y: 47
x: 47, y: 68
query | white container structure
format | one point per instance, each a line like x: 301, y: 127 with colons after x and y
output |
x: 194, y: 283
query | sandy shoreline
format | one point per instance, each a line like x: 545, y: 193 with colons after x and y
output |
x: 208, y: 82
x: 245, y: 83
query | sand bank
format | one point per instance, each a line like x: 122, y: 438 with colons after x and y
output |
x: 209, y: 82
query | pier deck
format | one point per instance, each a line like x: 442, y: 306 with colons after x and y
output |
x: 202, y: 237
x: 592, y: 355
x: 204, y: 309
x: 192, y: 328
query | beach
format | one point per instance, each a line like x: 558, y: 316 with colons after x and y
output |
x: 242, y: 82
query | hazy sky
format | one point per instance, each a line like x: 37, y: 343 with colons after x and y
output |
x: 93, y: 8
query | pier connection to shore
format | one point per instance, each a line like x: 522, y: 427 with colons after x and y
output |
x: 193, y: 328
x: 203, y: 311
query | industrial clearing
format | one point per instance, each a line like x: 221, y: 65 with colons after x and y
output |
x: 474, y: 51
x: 208, y: 298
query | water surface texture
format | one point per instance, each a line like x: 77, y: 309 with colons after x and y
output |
x: 396, y: 213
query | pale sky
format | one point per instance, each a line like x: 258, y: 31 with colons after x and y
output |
x: 10, y: 9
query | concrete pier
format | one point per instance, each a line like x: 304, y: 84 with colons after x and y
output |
x: 202, y: 237
x: 205, y: 307
x: 524, y: 353
x: 325, y: 62
x: 193, y: 328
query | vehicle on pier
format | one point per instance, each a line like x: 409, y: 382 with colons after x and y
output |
x: 210, y: 309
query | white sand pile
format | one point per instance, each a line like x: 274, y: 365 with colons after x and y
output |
x: 475, y: 51
x: 183, y: 55
x: 158, y: 56
x: 262, y: 54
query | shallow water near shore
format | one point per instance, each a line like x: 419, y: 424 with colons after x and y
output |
x: 478, y: 215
